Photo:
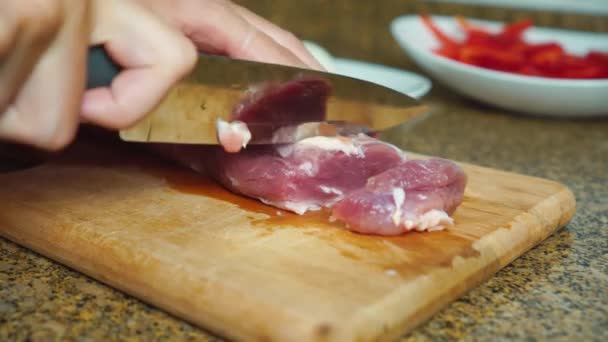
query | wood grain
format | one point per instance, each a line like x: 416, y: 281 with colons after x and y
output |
x: 250, y: 272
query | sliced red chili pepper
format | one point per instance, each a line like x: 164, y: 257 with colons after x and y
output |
x: 529, y: 70
x: 598, y: 57
x: 489, y: 58
x: 572, y: 62
x: 516, y: 29
x: 445, y: 39
x: 472, y: 30
x: 591, y: 71
x: 448, y: 51
x: 533, y: 49
x: 507, y: 51
x: 546, y: 57
x: 463, y: 23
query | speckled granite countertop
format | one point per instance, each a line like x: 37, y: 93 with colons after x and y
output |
x: 557, y: 291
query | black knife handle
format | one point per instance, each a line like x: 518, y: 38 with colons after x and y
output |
x: 101, y: 69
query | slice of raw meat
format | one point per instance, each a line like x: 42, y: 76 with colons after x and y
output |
x: 302, y: 99
x: 415, y: 195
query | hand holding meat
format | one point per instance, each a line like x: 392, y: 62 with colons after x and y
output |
x: 43, y: 49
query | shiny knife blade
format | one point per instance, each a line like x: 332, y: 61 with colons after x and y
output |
x: 189, y: 112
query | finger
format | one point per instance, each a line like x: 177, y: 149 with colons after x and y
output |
x: 45, y: 111
x: 154, y: 56
x: 25, y: 32
x: 224, y: 31
x: 256, y: 45
x: 283, y: 37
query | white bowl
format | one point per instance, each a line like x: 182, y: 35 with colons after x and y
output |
x: 527, y: 94
x: 405, y: 82
x: 321, y: 55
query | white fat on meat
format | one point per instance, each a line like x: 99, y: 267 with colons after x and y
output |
x: 307, y: 168
x: 233, y: 136
x: 399, y: 199
x: 432, y: 220
x: 297, y: 207
x: 336, y: 144
x: 330, y: 190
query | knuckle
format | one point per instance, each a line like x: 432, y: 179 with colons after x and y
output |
x: 61, y: 138
x: 7, y: 38
x: 37, y: 134
x: 42, y: 18
x: 56, y: 132
x: 190, y: 56
x: 128, y: 119
x: 183, y: 58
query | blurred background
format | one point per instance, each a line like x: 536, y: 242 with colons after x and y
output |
x: 359, y: 29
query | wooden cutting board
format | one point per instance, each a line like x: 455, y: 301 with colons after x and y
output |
x: 247, y: 271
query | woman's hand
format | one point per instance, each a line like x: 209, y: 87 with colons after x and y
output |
x: 44, y: 43
x: 43, y: 46
x: 43, y: 49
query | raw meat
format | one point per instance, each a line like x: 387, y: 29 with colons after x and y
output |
x: 369, y: 185
x: 302, y: 99
x: 415, y: 195
x: 366, y: 183
x: 309, y: 175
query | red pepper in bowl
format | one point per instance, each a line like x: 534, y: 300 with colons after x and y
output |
x: 507, y: 51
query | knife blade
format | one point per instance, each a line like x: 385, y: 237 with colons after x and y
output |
x: 215, y: 87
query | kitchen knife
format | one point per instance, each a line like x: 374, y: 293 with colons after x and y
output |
x: 189, y: 112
